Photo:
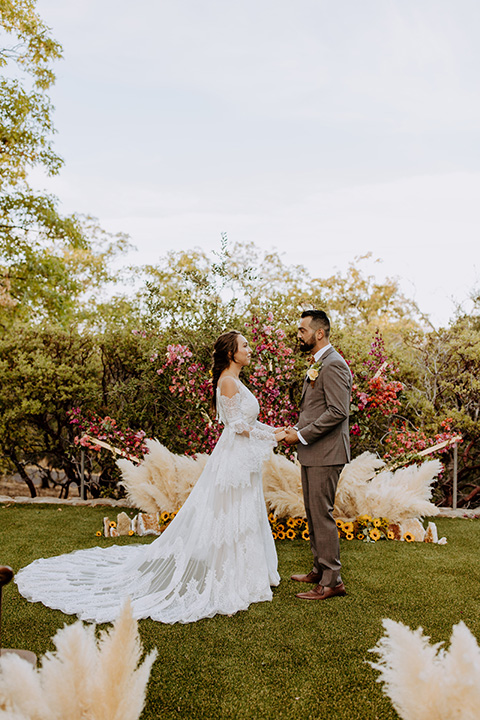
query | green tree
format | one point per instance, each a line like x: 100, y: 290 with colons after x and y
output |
x: 48, y: 262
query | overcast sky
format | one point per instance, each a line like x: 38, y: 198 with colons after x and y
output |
x: 322, y: 129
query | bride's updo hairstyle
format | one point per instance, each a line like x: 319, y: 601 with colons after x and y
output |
x: 223, y: 354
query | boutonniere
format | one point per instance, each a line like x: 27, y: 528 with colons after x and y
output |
x: 312, y: 373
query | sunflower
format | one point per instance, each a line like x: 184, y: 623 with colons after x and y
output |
x: 349, y: 536
x: 409, y: 537
x: 391, y: 535
x: 274, y: 535
x: 281, y: 535
x: 348, y: 527
x: 360, y: 536
x: 291, y: 522
x: 305, y: 535
x: 375, y: 534
x: 291, y: 534
x: 376, y: 522
x: 271, y: 517
x: 98, y: 533
x: 299, y: 522
x: 113, y: 523
x: 339, y: 534
x: 164, y: 517
x: 131, y: 532
x: 339, y: 523
x: 364, y: 518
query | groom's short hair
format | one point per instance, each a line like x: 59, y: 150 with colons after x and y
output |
x: 319, y: 320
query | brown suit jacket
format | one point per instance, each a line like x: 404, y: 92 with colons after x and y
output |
x: 324, y: 412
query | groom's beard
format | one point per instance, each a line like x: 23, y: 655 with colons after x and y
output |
x: 305, y: 346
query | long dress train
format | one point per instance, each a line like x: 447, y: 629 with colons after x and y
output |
x: 216, y: 557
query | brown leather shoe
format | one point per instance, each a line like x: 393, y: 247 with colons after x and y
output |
x: 312, y: 577
x: 323, y: 593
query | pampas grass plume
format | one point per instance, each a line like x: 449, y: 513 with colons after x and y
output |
x: 82, y: 679
x: 423, y: 681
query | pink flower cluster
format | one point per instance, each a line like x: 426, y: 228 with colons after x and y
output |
x: 373, y: 391
x: 272, y: 372
x: 106, y: 429
x: 401, y: 441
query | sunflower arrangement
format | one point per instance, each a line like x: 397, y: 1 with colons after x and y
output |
x: 166, y: 518
x: 290, y: 528
x: 365, y: 528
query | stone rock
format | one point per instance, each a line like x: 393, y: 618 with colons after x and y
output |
x: 148, y: 524
x: 124, y: 524
x: 413, y: 526
x: 431, y: 535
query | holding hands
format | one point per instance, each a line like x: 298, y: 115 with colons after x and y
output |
x: 291, y: 436
x: 279, y: 434
x: 286, y: 434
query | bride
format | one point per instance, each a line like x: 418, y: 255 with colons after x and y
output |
x: 218, y: 554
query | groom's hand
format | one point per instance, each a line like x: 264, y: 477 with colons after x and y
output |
x: 291, y: 437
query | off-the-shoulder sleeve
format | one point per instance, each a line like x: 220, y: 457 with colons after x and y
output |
x: 232, y: 414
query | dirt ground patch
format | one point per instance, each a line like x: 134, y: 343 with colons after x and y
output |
x: 14, y: 488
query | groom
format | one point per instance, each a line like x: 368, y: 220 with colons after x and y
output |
x: 323, y: 448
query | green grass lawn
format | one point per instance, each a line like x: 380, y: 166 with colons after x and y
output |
x: 284, y: 659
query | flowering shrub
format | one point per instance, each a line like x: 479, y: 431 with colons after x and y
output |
x: 405, y: 445
x: 104, y: 481
x: 106, y: 429
x: 269, y: 376
x: 190, y: 381
x: 272, y: 372
x: 375, y: 395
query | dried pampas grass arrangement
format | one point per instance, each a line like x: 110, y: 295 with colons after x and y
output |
x: 84, y: 678
x: 363, y: 489
x: 424, y: 681
x: 163, y: 481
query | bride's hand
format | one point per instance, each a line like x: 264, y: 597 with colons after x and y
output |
x: 279, y: 434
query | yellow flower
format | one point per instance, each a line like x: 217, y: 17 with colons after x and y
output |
x: 274, y: 535
x: 375, y: 534
x: 409, y: 537
x: 364, y: 518
x: 291, y: 522
x: 291, y: 534
x: 98, y: 533
x: 376, y: 522
x: 298, y: 522
x: 280, y: 535
x: 113, y: 523
x: 131, y: 532
x: 349, y: 536
x: 271, y: 517
x: 390, y: 535
x: 348, y: 527
x: 339, y: 534
x: 339, y: 523
x: 164, y: 517
x: 360, y: 536
x: 305, y: 535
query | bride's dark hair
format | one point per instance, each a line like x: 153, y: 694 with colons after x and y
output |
x: 223, y: 354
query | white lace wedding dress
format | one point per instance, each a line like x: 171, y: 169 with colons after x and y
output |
x: 217, y: 556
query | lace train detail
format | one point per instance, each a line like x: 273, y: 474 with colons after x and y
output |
x: 217, y: 557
